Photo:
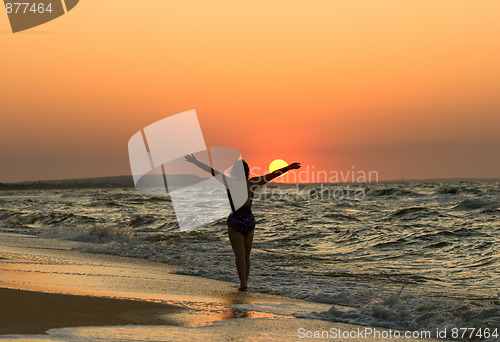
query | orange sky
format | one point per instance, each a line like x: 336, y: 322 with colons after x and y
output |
x: 407, y: 88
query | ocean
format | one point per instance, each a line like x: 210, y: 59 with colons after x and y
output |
x: 403, y: 255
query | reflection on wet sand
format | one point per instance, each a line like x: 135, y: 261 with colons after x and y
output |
x: 209, y: 313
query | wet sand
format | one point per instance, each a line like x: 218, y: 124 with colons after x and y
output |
x: 26, y: 312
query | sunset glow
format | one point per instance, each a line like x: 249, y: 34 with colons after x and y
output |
x: 409, y: 89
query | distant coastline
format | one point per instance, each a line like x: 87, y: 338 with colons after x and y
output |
x: 127, y: 181
x: 97, y: 182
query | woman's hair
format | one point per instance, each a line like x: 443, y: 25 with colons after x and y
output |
x: 233, y: 172
x: 247, y: 169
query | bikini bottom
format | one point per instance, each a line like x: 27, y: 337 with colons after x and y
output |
x: 242, y: 220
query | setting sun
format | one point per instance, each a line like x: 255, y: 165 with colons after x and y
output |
x: 277, y: 164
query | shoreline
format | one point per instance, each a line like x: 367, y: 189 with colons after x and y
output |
x: 136, y: 296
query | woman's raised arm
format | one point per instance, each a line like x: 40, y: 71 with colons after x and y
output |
x: 190, y: 158
x: 270, y: 176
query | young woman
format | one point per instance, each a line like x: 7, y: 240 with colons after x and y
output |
x: 241, y: 223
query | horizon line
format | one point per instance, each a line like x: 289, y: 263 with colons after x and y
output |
x: 380, y: 181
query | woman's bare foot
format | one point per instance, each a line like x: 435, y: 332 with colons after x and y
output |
x: 243, y: 288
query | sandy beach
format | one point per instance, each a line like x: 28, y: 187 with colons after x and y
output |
x: 51, y: 292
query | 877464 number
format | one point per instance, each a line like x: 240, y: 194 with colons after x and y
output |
x: 23, y: 7
x: 474, y: 332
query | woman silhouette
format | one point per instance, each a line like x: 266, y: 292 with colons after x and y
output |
x: 241, y: 222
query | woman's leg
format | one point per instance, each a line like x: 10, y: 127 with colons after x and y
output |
x: 238, y: 244
x: 248, y: 248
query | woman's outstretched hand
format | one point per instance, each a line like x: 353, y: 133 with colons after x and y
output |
x: 294, y: 166
x: 190, y: 158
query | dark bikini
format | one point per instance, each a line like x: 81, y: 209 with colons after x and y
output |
x: 242, y: 220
